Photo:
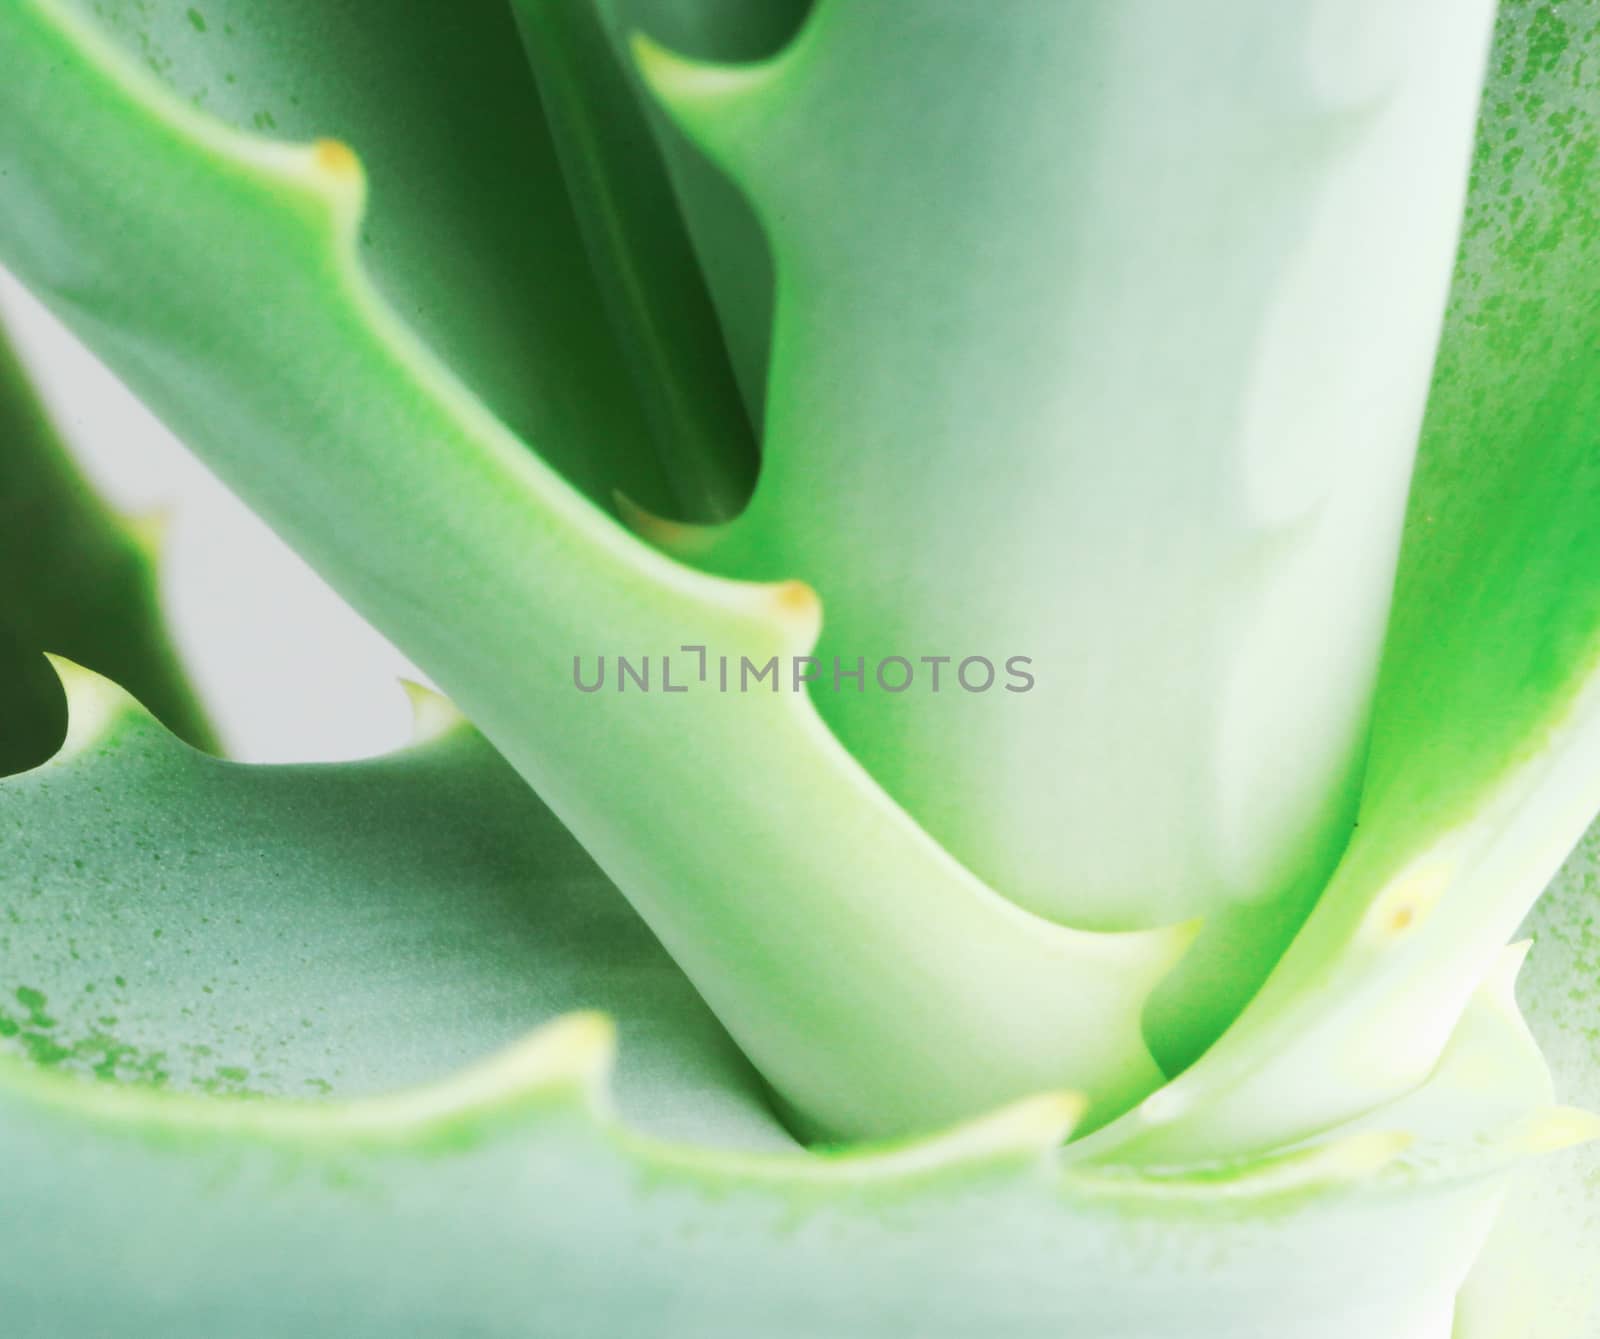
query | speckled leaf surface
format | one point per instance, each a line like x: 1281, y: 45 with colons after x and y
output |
x: 175, y: 920
x: 1486, y: 716
x: 373, y: 408
x: 243, y: 1089
x: 827, y: 927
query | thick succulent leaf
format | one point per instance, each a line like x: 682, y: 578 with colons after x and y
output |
x: 878, y: 985
x: 1485, y: 761
x: 74, y: 579
x: 176, y: 921
x: 728, y: 238
x: 471, y: 234
x: 973, y: 224
x: 1194, y: 437
x: 213, y: 1138
x: 1537, y: 1279
x: 641, y: 254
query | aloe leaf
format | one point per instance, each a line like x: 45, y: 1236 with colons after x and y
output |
x: 1536, y: 1277
x: 642, y: 255
x: 1481, y: 774
x: 867, y: 974
x: 74, y: 579
x: 267, y: 979
x: 729, y: 242
x: 179, y: 922
x: 1195, y: 436
x: 1146, y: 281
x: 470, y: 233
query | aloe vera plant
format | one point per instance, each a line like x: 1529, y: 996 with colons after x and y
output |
x: 1024, y: 582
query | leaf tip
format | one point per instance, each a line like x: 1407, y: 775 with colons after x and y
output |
x: 338, y: 176
x: 337, y: 159
x: 575, y: 1051
x: 797, y: 609
x: 796, y: 599
x: 433, y: 715
x: 94, y: 705
x: 582, y: 1045
x: 1404, y: 903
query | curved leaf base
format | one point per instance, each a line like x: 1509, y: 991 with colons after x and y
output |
x: 256, y: 936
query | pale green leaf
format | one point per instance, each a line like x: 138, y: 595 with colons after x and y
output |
x: 1139, y: 270
x: 728, y: 239
x: 1482, y: 774
x: 1103, y: 335
x: 1536, y: 1279
x: 642, y: 255
x: 866, y: 973
x: 217, y: 975
x: 470, y: 235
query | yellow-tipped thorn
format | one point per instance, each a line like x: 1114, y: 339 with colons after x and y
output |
x: 572, y: 1048
x: 94, y: 704
x: 1408, y: 898
x: 337, y: 159
x: 575, y: 1050
x: 796, y: 599
x: 433, y: 715
x: 1030, y: 1125
x: 580, y: 1045
x: 799, y: 610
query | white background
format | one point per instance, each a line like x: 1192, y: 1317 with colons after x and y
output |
x: 287, y: 670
